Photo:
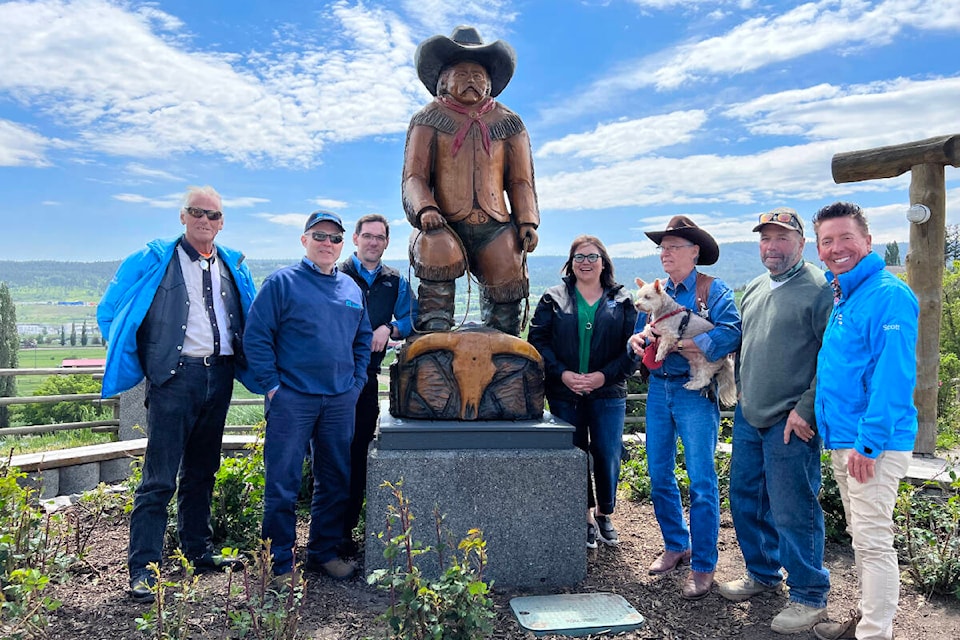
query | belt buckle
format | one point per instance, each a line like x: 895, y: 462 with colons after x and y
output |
x: 206, y: 361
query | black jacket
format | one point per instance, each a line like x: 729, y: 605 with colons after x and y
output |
x: 381, y: 299
x: 554, y: 333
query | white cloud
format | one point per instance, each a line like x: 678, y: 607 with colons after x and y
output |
x: 875, y: 114
x: 21, y: 146
x: 329, y: 203
x: 243, y: 201
x: 827, y: 119
x: 141, y: 89
x: 629, y: 138
x: 138, y: 169
x: 51, y: 203
x: 815, y: 26
x: 284, y: 219
x: 441, y: 16
x: 169, y: 201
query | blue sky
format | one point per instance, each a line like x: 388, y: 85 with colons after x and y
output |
x: 638, y: 110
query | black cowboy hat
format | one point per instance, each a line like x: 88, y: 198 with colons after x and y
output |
x: 684, y: 227
x: 439, y: 52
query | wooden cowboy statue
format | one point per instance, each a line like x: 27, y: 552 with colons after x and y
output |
x: 465, y: 152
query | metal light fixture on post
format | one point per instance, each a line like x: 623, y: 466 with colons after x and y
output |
x: 918, y: 213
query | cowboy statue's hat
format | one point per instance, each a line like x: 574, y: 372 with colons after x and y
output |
x: 439, y: 52
x: 684, y: 227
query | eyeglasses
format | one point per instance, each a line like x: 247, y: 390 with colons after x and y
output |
x: 197, y: 212
x: 774, y: 216
x: 334, y: 238
x: 369, y: 236
x: 670, y: 248
x: 590, y: 257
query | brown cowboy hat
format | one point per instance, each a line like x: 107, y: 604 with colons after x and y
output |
x: 439, y: 52
x: 684, y: 227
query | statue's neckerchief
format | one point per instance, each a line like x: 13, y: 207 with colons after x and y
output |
x: 473, y: 112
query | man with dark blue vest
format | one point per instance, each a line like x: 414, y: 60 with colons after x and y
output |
x: 393, y: 310
x: 174, y: 313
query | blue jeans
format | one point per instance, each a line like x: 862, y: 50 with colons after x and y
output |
x: 674, y: 412
x: 185, y: 419
x: 296, y: 421
x: 599, y: 430
x: 774, y: 490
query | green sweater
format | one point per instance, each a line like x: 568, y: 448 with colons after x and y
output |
x: 782, y: 330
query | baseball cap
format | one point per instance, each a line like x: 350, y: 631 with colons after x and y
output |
x: 319, y: 216
x: 782, y: 217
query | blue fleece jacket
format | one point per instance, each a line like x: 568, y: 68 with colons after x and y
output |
x: 867, y: 367
x: 128, y: 297
x: 309, y: 331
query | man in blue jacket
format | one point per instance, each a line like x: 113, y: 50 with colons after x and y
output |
x: 174, y: 313
x: 308, y: 344
x: 866, y: 372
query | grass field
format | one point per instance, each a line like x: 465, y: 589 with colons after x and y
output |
x: 46, y: 357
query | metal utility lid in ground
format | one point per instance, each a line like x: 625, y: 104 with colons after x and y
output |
x: 576, y: 614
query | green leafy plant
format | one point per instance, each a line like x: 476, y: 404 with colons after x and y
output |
x: 928, y: 535
x: 269, y: 607
x: 33, y: 551
x: 169, y: 617
x: 634, y: 474
x: 834, y: 519
x: 455, y: 606
x: 71, y: 411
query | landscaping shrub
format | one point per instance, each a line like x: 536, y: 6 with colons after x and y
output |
x: 928, y: 535
x: 455, y: 606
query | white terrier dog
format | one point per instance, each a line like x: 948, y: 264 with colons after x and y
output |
x: 667, y: 322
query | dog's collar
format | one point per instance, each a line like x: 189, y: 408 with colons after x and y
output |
x: 670, y: 315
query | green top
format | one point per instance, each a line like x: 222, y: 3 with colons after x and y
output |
x: 585, y: 316
x: 782, y: 329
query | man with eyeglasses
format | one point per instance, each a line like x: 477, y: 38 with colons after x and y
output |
x: 866, y: 373
x: 308, y: 344
x: 174, y: 313
x: 775, y: 468
x: 674, y: 412
x: 392, y: 310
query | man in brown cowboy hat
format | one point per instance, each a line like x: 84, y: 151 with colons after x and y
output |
x: 464, y: 152
x: 675, y: 412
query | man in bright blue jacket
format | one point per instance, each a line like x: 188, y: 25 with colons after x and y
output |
x: 174, y: 313
x: 308, y: 344
x: 866, y: 372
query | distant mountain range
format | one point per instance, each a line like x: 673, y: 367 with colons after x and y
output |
x: 49, y: 280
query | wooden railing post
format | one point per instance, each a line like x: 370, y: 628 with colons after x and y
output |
x: 925, y: 159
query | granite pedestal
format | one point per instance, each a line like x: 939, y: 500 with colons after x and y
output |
x: 522, y: 484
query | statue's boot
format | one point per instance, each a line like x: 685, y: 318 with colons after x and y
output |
x: 436, y: 300
x: 502, y: 316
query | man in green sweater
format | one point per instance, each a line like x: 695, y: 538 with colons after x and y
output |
x: 775, y: 470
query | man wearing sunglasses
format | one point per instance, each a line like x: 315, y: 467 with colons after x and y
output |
x: 393, y: 309
x: 775, y: 469
x: 308, y: 344
x: 174, y: 313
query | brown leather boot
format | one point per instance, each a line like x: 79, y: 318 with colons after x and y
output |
x: 697, y: 585
x: 668, y: 561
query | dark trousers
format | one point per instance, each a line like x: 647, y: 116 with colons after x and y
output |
x: 364, y: 426
x: 298, y: 422
x: 185, y: 424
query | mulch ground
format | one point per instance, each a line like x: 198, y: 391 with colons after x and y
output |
x: 96, y: 604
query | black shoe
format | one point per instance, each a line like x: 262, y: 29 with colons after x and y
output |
x: 591, y: 536
x: 141, y: 588
x: 209, y: 563
x: 348, y: 548
x: 605, y: 531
